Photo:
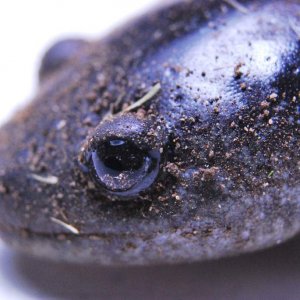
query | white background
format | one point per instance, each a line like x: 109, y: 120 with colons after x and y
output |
x: 27, y: 28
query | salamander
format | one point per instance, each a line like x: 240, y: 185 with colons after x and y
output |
x: 173, y: 139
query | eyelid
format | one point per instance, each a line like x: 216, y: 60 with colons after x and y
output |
x: 146, y: 133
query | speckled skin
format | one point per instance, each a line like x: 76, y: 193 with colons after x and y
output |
x: 226, y: 122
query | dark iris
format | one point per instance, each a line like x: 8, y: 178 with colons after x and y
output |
x: 123, y: 168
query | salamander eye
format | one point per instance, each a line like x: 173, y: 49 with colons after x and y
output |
x: 59, y: 54
x: 121, y: 159
x: 121, y: 167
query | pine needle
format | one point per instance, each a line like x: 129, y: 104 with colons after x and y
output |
x: 69, y: 227
x: 152, y: 93
x: 155, y: 89
x: 47, y: 179
x: 238, y: 6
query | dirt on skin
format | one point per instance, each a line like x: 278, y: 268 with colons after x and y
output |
x: 175, y: 138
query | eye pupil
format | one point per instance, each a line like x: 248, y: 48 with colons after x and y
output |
x: 119, y: 155
x: 114, y: 163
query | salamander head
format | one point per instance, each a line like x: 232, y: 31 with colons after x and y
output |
x: 175, y: 142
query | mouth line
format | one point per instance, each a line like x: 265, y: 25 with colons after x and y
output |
x: 26, y: 233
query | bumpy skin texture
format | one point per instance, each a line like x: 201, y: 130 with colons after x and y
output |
x: 226, y: 122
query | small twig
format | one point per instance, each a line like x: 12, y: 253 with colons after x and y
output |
x: 155, y: 89
x: 65, y: 225
x: 271, y: 174
x: 47, y: 179
x: 152, y: 93
x: 119, y: 100
x: 238, y: 6
x: 112, y: 107
x: 61, y: 212
x: 109, y: 113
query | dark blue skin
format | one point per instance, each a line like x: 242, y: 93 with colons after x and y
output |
x: 207, y: 167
